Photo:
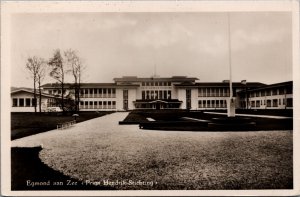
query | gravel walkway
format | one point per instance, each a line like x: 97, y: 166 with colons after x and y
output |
x: 100, y: 149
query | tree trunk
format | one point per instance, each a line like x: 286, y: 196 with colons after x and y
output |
x: 40, y: 97
x: 34, y: 94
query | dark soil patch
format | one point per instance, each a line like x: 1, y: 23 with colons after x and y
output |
x: 26, y: 124
x: 28, y: 168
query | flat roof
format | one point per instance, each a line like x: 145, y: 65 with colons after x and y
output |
x: 275, y: 85
x: 150, y: 79
x: 220, y: 84
x: 88, y: 85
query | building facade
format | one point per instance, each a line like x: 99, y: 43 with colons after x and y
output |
x: 22, y: 100
x: 177, y: 92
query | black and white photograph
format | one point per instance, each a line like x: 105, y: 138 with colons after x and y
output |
x: 149, y: 98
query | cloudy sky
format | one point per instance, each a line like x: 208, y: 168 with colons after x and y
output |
x: 136, y: 44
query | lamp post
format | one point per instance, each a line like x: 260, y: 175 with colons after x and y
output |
x: 244, y: 82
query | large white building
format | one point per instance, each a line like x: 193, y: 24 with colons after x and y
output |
x: 177, y: 92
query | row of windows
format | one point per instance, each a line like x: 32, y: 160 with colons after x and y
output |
x: 272, y: 102
x: 156, y: 94
x: 213, y: 92
x: 97, y: 104
x: 92, y: 92
x: 156, y: 83
x: 98, y: 93
x: 23, y: 102
x: 212, y: 104
x: 270, y: 92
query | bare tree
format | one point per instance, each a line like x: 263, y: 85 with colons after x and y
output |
x: 40, y: 77
x: 58, y: 73
x: 34, y: 65
x: 76, y: 68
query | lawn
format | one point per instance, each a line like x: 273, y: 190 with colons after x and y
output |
x: 25, y: 124
x: 174, y: 120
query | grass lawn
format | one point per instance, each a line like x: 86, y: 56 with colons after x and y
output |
x: 25, y: 124
x: 173, y: 120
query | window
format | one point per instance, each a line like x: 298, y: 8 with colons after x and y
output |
x: 208, y: 91
x: 100, y: 105
x: 15, y: 102
x: 95, y: 92
x: 169, y: 83
x: 160, y: 94
x: 33, y: 102
x: 156, y: 94
x: 217, y: 103
x: 257, y: 94
x: 165, y: 94
x: 252, y: 103
x: 169, y: 94
x: 91, y: 93
x: 289, y: 102
x: 143, y: 95
x: 114, y: 104
x: 113, y: 91
x: 208, y: 103
x: 199, y: 104
x: 143, y: 84
x: 50, y: 91
x: 268, y: 92
x: 91, y: 105
x: 279, y: 101
x: 100, y: 92
x: 263, y: 93
x: 257, y: 103
x: 81, y: 105
x: 104, y: 105
x: 27, y: 101
x: 213, y: 103
x: 268, y: 103
x: 275, y: 103
x: 204, y: 103
x: 95, y: 104
x: 281, y: 91
x: 21, y: 102
x: 217, y: 92
x: 147, y: 95
x: 200, y: 94
x: 109, y: 104
x: 86, y: 103
x: 152, y: 94
x: 289, y: 90
x: 86, y: 93
x: 274, y: 92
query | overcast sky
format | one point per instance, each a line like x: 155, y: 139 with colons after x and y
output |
x: 134, y: 44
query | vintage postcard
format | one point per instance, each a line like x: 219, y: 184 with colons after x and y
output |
x: 149, y: 98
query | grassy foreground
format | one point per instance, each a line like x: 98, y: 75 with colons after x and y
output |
x: 25, y: 124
